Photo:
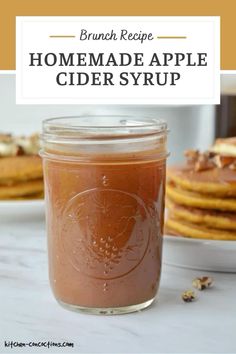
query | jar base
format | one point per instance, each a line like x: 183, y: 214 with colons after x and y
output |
x: 107, y: 310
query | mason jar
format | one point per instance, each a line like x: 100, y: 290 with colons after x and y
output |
x: 104, y: 190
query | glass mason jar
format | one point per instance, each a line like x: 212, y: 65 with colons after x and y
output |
x: 104, y: 189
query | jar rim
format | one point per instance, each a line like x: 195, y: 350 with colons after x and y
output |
x: 104, y: 125
x: 130, y: 136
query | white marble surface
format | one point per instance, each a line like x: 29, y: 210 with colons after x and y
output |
x: 28, y: 311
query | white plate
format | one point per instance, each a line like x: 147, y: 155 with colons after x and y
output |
x: 211, y: 255
x: 18, y: 209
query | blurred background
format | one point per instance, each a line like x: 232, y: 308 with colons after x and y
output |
x: 190, y: 126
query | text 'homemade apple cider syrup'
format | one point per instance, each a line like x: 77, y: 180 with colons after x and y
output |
x: 104, y: 187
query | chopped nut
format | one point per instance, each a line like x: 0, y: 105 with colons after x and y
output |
x: 15, y: 146
x: 209, y: 160
x: 232, y: 166
x: 203, y: 163
x: 210, y: 154
x: 188, y: 296
x: 202, y: 283
x: 191, y: 155
x: 19, y: 151
x: 222, y: 161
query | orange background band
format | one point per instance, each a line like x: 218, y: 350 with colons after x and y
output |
x: 11, y: 8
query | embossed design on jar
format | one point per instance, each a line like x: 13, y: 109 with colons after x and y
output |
x: 96, y: 247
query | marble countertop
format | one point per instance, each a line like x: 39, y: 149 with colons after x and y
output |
x: 29, y: 313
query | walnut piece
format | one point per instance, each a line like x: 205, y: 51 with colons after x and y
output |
x: 191, y: 155
x: 232, y: 166
x: 223, y: 161
x: 203, y: 163
x: 208, y: 160
x: 18, y: 145
x: 202, y: 283
x: 188, y: 296
x: 210, y: 154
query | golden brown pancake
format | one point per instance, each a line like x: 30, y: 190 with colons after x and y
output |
x: 210, y: 218
x: 16, y: 169
x: 34, y: 196
x: 197, y: 200
x: 187, y: 229
x: 219, y: 182
x: 201, y: 194
x: 21, y: 189
x: 225, y: 146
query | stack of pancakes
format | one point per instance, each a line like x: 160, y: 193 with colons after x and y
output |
x: 21, y: 175
x: 201, y: 194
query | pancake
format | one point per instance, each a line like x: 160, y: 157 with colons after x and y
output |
x: 34, y: 196
x: 220, y: 182
x: 183, y: 228
x: 209, y: 218
x: 21, y: 189
x: 197, y: 200
x: 225, y: 146
x: 17, y: 169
